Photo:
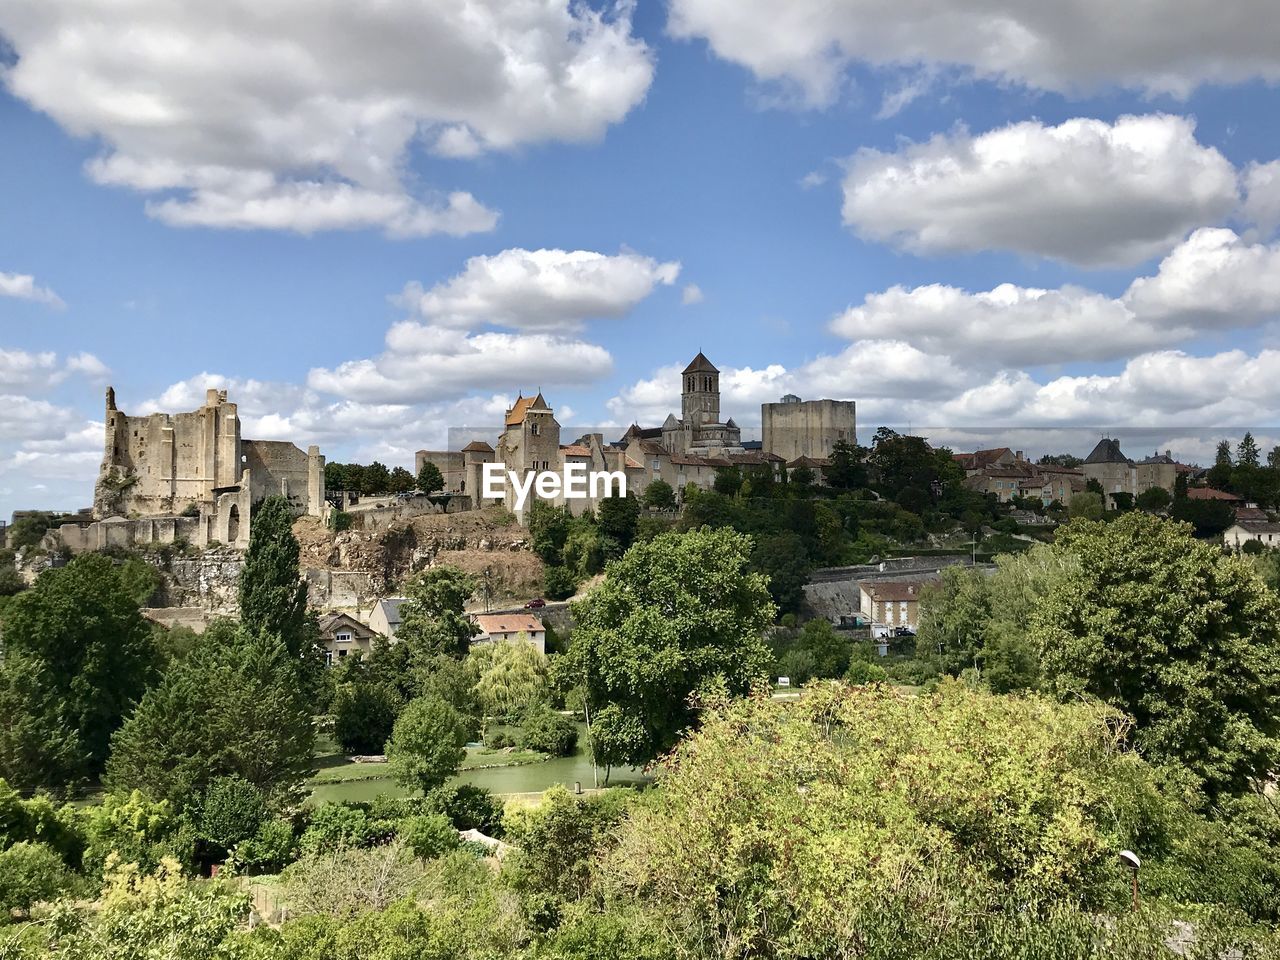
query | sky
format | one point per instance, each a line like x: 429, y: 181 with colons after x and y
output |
x: 995, y: 223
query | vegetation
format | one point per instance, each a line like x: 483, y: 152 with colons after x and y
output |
x: 427, y: 744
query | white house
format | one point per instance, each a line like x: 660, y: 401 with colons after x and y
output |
x: 1263, y: 531
x: 511, y: 628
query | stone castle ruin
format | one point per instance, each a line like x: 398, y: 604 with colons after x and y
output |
x: 191, y: 477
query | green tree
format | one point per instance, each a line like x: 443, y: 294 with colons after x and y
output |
x: 430, y: 479
x: 1154, y: 499
x: 659, y: 495
x: 785, y: 561
x: 364, y: 712
x: 1208, y: 518
x: 231, y: 708
x: 847, y: 470
x: 541, y: 728
x: 273, y: 595
x: 375, y: 479
x: 1179, y: 636
x: 38, y: 748
x: 30, y: 873
x: 427, y: 745
x: 616, y: 518
x: 673, y: 616
x: 1247, y: 453
x: 510, y: 678
x: 1087, y: 505
x: 92, y: 646
x: 233, y: 810
x: 1219, y: 475
x: 432, y: 621
x: 401, y: 480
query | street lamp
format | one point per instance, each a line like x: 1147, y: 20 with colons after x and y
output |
x: 1132, y: 863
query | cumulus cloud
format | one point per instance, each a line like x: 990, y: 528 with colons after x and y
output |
x: 691, y: 294
x: 1085, y: 192
x: 23, y: 286
x: 540, y: 289
x: 429, y: 363
x: 22, y: 370
x: 1071, y: 47
x: 303, y: 114
x: 1262, y: 195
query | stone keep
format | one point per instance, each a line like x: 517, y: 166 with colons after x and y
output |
x: 195, y: 467
x: 798, y: 428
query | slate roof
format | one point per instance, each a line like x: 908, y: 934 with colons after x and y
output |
x: 700, y: 364
x: 1107, y: 451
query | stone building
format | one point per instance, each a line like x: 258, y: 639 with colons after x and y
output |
x: 1108, y: 465
x: 795, y: 428
x: 191, y: 476
x: 699, y: 430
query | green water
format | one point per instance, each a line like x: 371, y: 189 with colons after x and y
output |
x: 526, y: 778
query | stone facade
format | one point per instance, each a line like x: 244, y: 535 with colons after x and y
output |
x: 795, y: 428
x: 190, y: 476
x: 1108, y: 465
x: 699, y: 430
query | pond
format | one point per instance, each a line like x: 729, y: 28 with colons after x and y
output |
x: 522, y: 778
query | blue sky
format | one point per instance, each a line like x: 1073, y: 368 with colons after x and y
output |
x: 1056, y: 231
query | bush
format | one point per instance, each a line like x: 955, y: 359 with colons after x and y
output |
x: 363, y: 717
x: 560, y: 583
x: 270, y: 849
x: 339, y: 520
x: 860, y: 671
x: 335, y: 826
x: 546, y: 731
x: 468, y: 807
x: 497, y: 738
x: 913, y: 672
x: 29, y: 874
x: 233, y: 810
x: 428, y: 744
x: 428, y: 835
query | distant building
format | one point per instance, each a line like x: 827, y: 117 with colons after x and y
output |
x: 1260, y: 531
x: 511, y: 628
x: 385, y: 617
x: 894, y: 603
x: 1116, y: 473
x: 342, y: 634
x: 795, y: 428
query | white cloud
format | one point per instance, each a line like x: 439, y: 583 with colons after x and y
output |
x: 427, y: 363
x: 1262, y: 195
x: 22, y: 286
x: 540, y: 289
x: 691, y: 294
x: 1086, y: 192
x: 303, y: 114
x: 1213, y: 280
x: 26, y: 372
x: 1072, y: 46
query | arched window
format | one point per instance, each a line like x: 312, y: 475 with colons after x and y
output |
x: 233, y: 524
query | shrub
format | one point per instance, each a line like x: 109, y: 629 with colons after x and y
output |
x: 30, y: 873
x: 339, y: 520
x: 363, y: 716
x: 233, y: 810
x: 138, y: 830
x: 860, y: 671
x: 335, y: 826
x: 560, y: 583
x: 428, y: 835
x: 468, y: 807
x: 549, y: 732
x: 270, y: 849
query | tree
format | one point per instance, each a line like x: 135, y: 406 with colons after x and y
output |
x: 673, y: 616
x: 785, y: 561
x: 1087, y: 505
x: 233, y: 707
x: 616, y: 518
x: 364, y: 712
x: 1247, y: 453
x: 847, y: 470
x: 38, y: 748
x: 542, y: 729
x: 1219, y: 475
x: 1179, y: 636
x: 427, y: 745
x: 727, y: 482
x: 430, y: 479
x: 92, y: 646
x: 30, y: 873
x: 432, y: 621
x: 375, y: 479
x: 233, y: 810
x: 1154, y: 499
x: 975, y: 826
x: 401, y: 480
x: 1207, y: 517
x: 659, y: 495
x: 510, y: 677
x: 273, y: 595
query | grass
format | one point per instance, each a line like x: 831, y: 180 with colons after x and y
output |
x: 336, y: 768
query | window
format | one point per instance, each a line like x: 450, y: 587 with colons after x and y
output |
x: 341, y: 654
x: 657, y: 465
x: 344, y: 637
x: 533, y: 428
x: 328, y: 658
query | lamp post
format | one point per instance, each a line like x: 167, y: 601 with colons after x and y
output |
x: 1132, y: 863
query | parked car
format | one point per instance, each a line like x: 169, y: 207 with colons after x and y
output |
x: 904, y: 632
x: 537, y: 603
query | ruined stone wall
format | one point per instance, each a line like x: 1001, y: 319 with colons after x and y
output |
x: 807, y: 429
x: 277, y: 467
x: 450, y: 463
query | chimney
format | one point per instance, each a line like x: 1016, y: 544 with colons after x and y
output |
x: 1168, y: 454
x: 1017, y: 455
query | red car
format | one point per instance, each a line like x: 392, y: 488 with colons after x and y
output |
x: 536, y: 604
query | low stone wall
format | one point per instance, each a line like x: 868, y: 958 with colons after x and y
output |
x: 123, y: 533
